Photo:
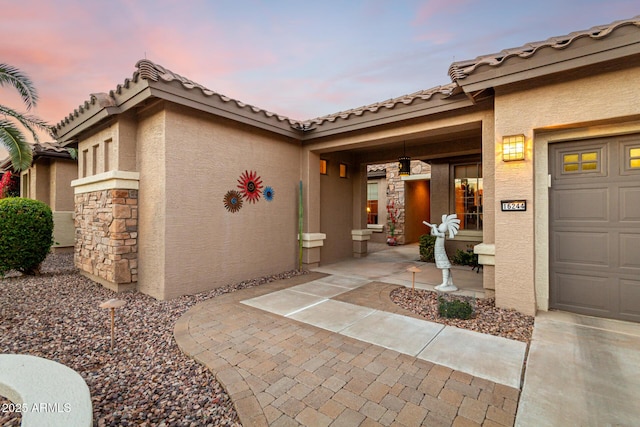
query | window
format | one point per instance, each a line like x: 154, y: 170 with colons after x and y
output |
x: 372, y: 203
x: 323, y: 167
x: 580, y: 162
x: 468, y: 195
x: 24, y: 180
x: 634, y: 158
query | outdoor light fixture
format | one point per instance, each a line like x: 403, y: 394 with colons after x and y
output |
x: 512, y: 148
x: 404, y: 163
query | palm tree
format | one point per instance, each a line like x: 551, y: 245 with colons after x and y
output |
x: 11, y: 136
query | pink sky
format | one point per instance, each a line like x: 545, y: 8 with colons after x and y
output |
x: 295, y: 58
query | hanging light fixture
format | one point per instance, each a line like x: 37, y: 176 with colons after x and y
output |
x: 404, y: 162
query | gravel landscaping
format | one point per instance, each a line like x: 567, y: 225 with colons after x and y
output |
x: 487, y: 318
x: 146, y: 380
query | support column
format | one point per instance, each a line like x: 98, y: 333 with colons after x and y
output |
x: 311, y: 244
x: 360, y: 239
x: 487, y: 250
x: 106, y: 226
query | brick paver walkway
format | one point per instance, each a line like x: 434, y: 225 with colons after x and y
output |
x: 281, y: 372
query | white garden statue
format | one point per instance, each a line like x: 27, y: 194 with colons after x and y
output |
x: 450, y: 223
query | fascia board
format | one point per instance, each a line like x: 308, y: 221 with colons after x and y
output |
x: 379, y: 118
x: 66, y: 137
x: 214, y: 105
x: 518, y: 69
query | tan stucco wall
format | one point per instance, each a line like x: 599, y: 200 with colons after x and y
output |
x: 582, y: 103
x: 40, y: 182
x: 62, y: 172
x: 63, y: 229
x: 336, y: 210
x: 112, y: 148
x: 151, y: 164
x: 205, y: 245
x: 49, y: 181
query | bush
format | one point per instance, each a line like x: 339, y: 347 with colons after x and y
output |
x: 26, y: 234
x: 465, y: 257
x: 454, y: 309
x: 427, y: 242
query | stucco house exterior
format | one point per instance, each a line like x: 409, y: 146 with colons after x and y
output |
x: 48, y: 179
x: 181, y: 189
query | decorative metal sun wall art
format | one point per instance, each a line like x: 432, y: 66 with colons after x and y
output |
x: 233, y: 201
x: 268, y: 193
x: 250, y: 185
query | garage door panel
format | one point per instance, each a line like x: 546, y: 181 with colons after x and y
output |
x: 629, y: 204
x: 630, y: 251
x: 594, y: 227
x: 581, y: 248
x: 587, y: 204
x: 582, y: 292
x: 630, y: 298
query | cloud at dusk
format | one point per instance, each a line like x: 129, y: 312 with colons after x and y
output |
x: 293, y: 58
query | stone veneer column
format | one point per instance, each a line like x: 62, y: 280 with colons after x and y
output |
x: 106, y: 228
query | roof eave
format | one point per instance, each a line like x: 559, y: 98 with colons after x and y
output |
x: 397, y: 114
x: 551, y: 61
x: 216, y: 105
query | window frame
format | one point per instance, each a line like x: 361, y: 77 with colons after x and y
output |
x: 464, y: 230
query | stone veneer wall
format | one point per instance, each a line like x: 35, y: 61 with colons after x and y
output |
x: 395, y: 192
x: 106, y: 242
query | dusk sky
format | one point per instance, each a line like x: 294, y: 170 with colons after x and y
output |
x: 300, y: 59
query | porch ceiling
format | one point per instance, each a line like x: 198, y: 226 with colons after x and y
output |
x: 443, y: 142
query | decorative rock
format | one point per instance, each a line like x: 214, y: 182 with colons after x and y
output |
x: 146, y: 380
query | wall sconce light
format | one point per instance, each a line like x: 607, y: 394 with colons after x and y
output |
x: 404, y: 163
x: 512, y: 148
x: 343, y: 170
x: 323, y: 167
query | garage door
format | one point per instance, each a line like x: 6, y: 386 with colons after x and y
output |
x: 594, y: 220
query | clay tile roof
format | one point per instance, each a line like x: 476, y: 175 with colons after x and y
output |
x: 462, y: 69
x: 100, y: 99
x: 50, y: 149
x: 422, y: 95
x: 148, y: 70
x: 151, y: 71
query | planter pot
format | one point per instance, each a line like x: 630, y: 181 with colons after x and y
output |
x: 392, y: 241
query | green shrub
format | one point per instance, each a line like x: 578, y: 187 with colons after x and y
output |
x: 454, y: 309
x: 427, y: 242
x: 465, y: 257
x: 26, y: 234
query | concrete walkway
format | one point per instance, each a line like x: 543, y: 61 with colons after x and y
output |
x: 486, y: 356
x: 330, y: 348
x: 281, y: 371
x: 581, y: 371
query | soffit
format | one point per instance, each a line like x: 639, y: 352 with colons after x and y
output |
x: 556, y: 54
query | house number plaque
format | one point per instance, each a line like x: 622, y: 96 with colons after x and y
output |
x: 513, y: 205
